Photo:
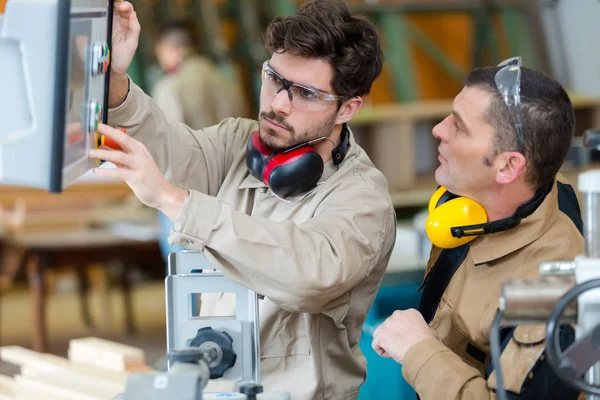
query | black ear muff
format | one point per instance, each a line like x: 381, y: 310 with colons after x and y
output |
x: 289, y: 173
x: 294, y: 173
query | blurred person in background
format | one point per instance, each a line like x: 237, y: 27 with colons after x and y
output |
x: 192, y: 91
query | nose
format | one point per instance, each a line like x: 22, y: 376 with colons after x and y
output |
x: 281, y: 104
x: 441, y: 130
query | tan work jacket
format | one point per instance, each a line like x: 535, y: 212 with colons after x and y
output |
x: 452, y: 366
x: 318, y: 259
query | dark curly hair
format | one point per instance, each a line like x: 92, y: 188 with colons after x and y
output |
x: 327, y: 30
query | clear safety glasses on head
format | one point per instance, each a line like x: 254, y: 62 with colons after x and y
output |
x: 301, y: 96
x: 508, y: 82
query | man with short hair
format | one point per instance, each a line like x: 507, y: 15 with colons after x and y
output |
x: 289, y: 205
x: 502, y: 146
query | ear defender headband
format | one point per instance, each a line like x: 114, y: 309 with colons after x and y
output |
x: 454, y: 220
x: 291, y: 172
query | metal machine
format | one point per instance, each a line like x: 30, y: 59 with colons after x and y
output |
x: 568, y: 292
x: 202, y: 348
x: 54, y: 79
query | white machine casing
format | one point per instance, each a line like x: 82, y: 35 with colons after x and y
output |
x: 53, y: 75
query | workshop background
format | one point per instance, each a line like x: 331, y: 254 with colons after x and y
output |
x: 87, y: 262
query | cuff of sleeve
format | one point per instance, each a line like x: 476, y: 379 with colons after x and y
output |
x: 417, y: 357
x: 195, y: 222
x: 119, y: 115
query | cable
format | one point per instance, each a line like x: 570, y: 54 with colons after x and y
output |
x: 552, y: 343
x: 495, y: 350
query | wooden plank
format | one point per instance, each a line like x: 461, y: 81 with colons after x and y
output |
x: 8, y: 386
x: 59, y: 219
x: 48, y: 363
x: 106, y: 354
x: 59, y: 385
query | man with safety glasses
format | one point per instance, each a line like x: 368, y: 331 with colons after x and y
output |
x: 289, y: 205
x: 500, y: 150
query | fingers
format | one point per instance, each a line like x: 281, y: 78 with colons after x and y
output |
x: 128, y: 16
x: 379, y: 350
x: 117, y: 136
x: 116, y: 157
x: 111, y: 173
x: 124, y: 8
x: 134, y: 24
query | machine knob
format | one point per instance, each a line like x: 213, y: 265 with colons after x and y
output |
x: 100, y: 58
x: 251, y: 390
x: 217, y: 349
x: 94, y: 115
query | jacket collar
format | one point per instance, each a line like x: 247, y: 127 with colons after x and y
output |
x: 250, y: 182
x: 491, y: 247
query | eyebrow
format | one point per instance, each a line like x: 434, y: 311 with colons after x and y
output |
x: 460, y: 120
x: 298, y: 83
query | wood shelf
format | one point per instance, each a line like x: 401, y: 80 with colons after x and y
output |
x: 419, y: 194
x: 426, y: 110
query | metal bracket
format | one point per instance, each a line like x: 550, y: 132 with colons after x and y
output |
x: 183, y: 282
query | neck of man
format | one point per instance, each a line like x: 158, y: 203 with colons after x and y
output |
x: 325, y: 147
x: 503, y: 200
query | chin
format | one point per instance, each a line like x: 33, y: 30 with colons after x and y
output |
x: 271, y: 139
x: 440, y: 177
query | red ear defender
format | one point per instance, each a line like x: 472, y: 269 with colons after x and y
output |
x: 289, y: 173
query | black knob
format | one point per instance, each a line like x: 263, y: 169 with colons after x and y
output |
x: 251, y: 390
x: 216, y: 348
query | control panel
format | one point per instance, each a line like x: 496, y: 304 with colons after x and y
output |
x: 55, y: 76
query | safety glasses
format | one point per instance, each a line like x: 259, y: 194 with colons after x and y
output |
x: 301, y: 96
x: 508, y: 82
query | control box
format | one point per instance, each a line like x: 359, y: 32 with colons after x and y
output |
x: 54, y: 89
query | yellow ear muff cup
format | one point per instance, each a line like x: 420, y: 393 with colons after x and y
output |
x: 457, y: 212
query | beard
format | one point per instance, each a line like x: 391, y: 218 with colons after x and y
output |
x: 273, y: 139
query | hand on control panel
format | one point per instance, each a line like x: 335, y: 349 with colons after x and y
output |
x: 135, y: 165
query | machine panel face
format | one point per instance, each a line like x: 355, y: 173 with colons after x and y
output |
x: 89, y: 56
x: 56, y: 81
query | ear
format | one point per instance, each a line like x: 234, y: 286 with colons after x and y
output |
x: 510, y: 166
x: 348, y: 110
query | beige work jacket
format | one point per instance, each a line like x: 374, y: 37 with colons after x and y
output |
x: 452, y: 366
x: 318, y: 259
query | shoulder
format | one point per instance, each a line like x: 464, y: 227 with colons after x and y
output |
x: 357, y: 172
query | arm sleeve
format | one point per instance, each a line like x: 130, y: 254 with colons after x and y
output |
x: 302, y: 267
x: 190, y: 159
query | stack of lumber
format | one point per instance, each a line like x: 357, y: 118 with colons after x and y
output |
x: 96, y: 369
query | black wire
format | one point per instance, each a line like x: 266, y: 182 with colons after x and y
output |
x: 495, y: 350
x: 552, y: 339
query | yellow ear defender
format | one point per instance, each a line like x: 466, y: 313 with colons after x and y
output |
x: 454, y: 220
x: 447, y: 213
